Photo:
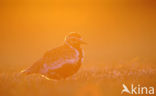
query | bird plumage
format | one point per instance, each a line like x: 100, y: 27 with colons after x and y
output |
x: 60, y: 62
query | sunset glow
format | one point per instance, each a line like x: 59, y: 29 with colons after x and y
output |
x: 120, y: 36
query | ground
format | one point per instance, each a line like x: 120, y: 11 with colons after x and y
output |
x: 87, y: 82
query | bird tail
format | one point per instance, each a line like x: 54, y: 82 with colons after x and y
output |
x: 24, y: 72
x: 32, y: 69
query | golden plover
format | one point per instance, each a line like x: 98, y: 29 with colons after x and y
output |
x: 60, y: 62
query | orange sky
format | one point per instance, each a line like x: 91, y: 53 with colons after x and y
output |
x: 116, y: 31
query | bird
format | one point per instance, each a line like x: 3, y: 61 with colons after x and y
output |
x: 62, y: 61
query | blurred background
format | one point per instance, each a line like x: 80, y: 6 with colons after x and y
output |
x: 121, y: 37
x: 117, y: 31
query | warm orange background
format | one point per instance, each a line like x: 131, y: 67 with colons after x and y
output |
x: 117, y: 32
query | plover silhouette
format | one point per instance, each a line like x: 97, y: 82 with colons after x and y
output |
x: 62, y: 61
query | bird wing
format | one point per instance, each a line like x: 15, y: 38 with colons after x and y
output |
x: 58, y: 57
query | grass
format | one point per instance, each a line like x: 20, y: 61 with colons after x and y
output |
x: 87, y: 82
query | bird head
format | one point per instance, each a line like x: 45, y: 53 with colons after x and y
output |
x: 74, y: 39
